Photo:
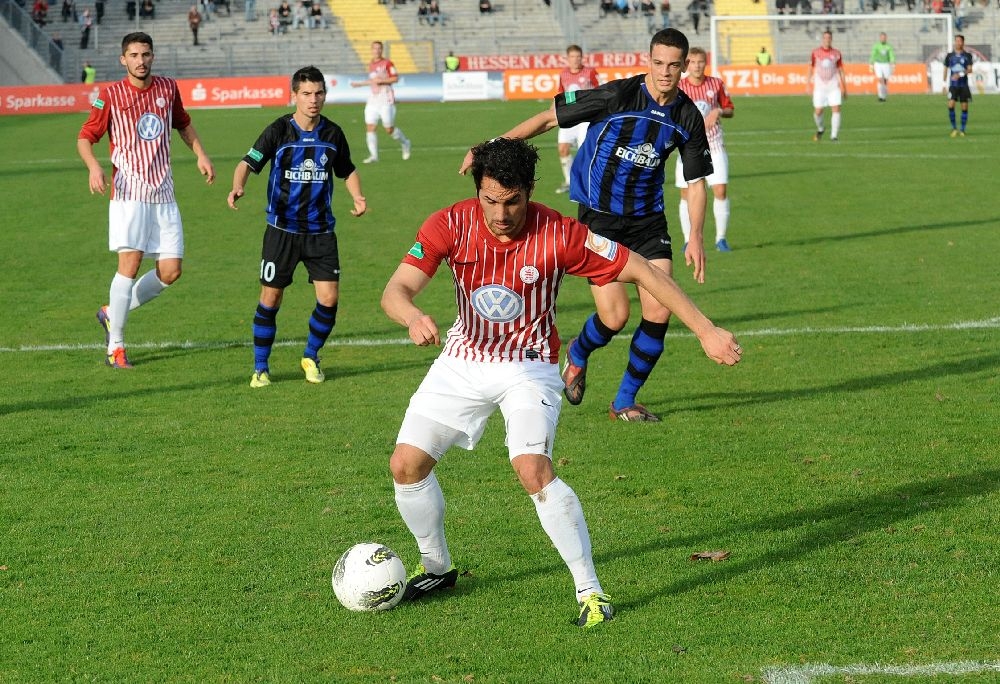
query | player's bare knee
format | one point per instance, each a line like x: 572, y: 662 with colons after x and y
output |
x: 168, y: 276
x: 534, y: 472
x: 409, y: 465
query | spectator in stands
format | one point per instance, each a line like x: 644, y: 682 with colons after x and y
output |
x: 224, y: 4
x: 98, y: 10
x: 316, y: 18
x: 274, y: 25
x: 130, y: 9
x: 485, y: 6
x: 695, y: 9
x: 648, y: 9
x: 58, y: 41
x: 250, y: 10
x: 422, y: 11
x: 451, y: 62
x: 86, y: 23
x: 606, y: 7
x: 665, y: 14
x: 763, y: 57
x: 147, y: 10
x: 207, y: 9
x: 621, y: 6
x: 40, y: 12
x: 89, y: 73
x: 434, y: 13
x: 194, y: 21
x: 285, y: 15
x: 56, y: 52
x: 300, y: 15
x: 69, y: 10
x: 830, y: 7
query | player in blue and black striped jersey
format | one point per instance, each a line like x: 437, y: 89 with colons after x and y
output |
x: 306, y: 151
x: 617, y: 179
x: 957, y: 68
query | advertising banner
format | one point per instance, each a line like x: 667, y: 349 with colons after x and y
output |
x: 542, y: 84
x: 556, y: 60
x: 789, y: 79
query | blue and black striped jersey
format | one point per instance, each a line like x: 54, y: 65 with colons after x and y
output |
x: 303, y: 166
x: 620, y: 167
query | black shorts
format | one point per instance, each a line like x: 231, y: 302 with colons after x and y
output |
x: 283, y: 251
x: 644, y: 235
x: 960, y: 93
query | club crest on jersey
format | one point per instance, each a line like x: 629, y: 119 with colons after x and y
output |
x: 497, y: 304
x: 149, y: 126
x: 598, y: 244
x: 416, y: 251
x: 641, y: 155
x: 528, y: 274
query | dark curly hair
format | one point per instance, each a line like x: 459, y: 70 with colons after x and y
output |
x: 509, y: 162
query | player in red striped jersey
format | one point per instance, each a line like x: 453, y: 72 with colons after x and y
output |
x: 710, y: 96
x: 508, y: 257
x: 574, y: 77
x: 137, y: 113
x: 381, y: 104
x: 829, y: 85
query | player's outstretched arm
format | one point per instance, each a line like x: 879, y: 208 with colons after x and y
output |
x: 719, y: 344
x: 397, y: 302
x: 529, y: 128
x: 240, y: 177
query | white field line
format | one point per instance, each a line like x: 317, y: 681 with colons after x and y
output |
x: 989, y: 323
x: 804, y: 674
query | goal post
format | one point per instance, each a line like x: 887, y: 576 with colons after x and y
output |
x: 791, y: 38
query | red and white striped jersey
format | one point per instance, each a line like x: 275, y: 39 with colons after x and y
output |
x: 138, y: 123
x: 506, y: 291
x: 584, y: 79
x: 381, y: 94
x: 826, y: 63
x: 708, y: 95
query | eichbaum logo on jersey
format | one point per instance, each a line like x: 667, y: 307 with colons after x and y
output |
x: 643, y: 155
x: 308, y: 172
x: 497, y: 304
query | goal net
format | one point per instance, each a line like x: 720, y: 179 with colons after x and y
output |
x: 791, y: 38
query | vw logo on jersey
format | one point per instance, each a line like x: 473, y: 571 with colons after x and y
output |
x: 149, y: 127
x: 497, y: 304
x: 703, y: 107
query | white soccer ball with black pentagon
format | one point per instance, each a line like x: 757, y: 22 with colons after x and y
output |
x: 369, y: 577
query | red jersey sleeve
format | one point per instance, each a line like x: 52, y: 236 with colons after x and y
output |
x: 592, y: 256
x: 181, y: 118
x: 432, y: 244
x: 724, y: 100
x: 96, y: 124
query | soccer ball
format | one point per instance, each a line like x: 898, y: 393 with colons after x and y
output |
x: 369, y: 577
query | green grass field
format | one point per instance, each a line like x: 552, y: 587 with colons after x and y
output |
x: 171, y: 524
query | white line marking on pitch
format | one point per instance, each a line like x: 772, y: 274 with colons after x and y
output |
x: 804, y: 674
x: 989, y: 323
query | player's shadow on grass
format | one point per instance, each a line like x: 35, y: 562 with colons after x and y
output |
x: 900, y: 230
x: 821, y: 527
x: 715, y: 400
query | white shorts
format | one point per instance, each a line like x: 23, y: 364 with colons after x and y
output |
x: 456, y: 397
x: 376, y: 111
x: 883, y: 70
x: 720, y: 173
x: 574, y: 135
x: 826, y: 95
x: 154, y: 229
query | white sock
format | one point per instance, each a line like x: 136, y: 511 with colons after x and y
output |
x: 883, y: 90
x: 398, y: 135
x: 685, y: 217
x: 146, y: 288
x: 834, y: 124
x: 372, y: 140
x: 720, y: 208
x: 566, y: 163
x: 119, y: 303
x: 818, y: 118
x: 421, y: 506
x: 561, y: 515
